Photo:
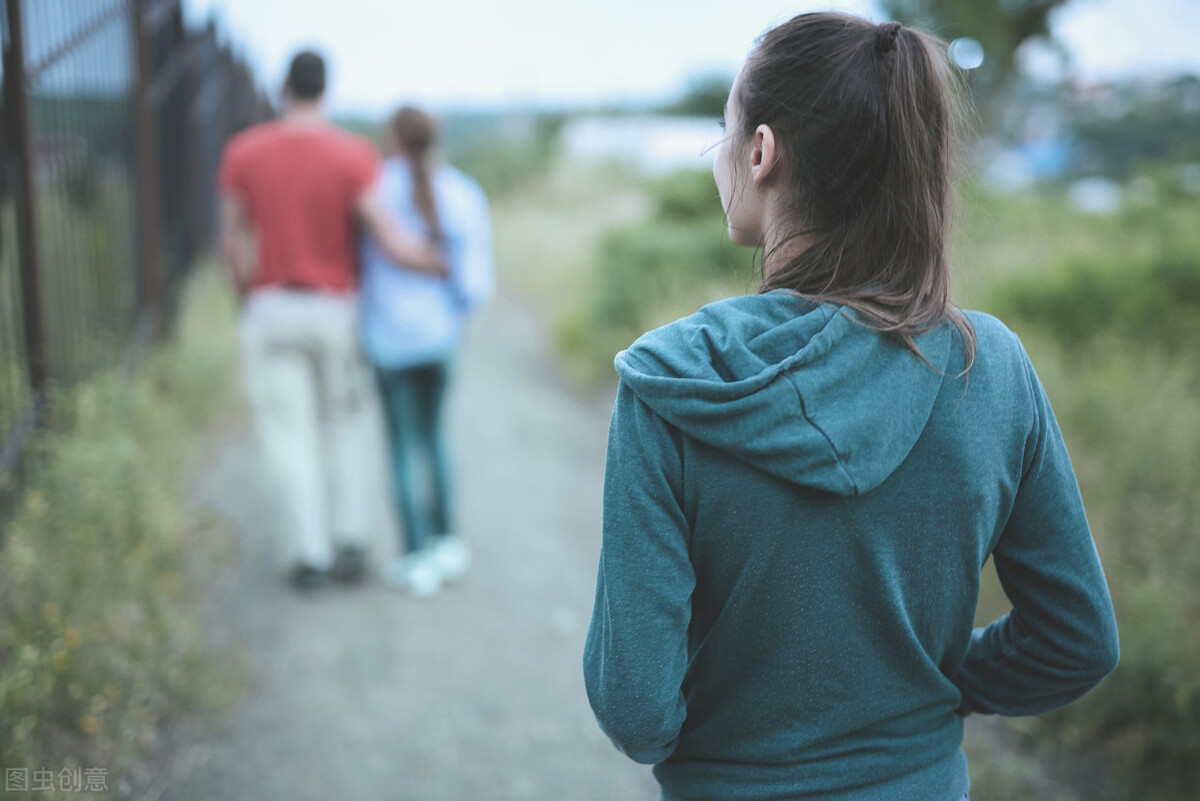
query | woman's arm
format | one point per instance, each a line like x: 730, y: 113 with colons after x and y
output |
x: 1060, y: 639
x: 636, y: 652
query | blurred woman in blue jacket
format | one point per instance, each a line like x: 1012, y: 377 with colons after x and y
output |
x: 410, y: 328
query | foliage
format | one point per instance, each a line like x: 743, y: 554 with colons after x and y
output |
x: 99, y: 637
x: 88, y: 285
x: 689, y: 197
x: 373, y: 128
x: 547, y: 231
x: 15, y: 396
x: 1133, y: 125
x: 500, y: 150
x: 649, y: 272
x: 1154, y: 300
x: 1113, y: 330
x: 97, y: 123
x: 1131, y: 415
x: 503, y: 153
x: 88, y: 274
x: 704, y: 96
x: 1001, y: 26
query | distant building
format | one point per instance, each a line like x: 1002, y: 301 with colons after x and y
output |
x: 651, y: 144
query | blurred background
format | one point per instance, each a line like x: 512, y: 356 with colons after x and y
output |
x: 591, y: 127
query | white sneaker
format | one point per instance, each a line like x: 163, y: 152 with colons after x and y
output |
x: 417, y: 574
x: 452, y: 556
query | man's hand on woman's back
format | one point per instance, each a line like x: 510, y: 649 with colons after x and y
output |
x: 400, y: 244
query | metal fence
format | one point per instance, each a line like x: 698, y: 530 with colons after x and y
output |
x: 112, y: 118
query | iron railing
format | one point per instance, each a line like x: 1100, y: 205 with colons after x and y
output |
x: 112, y: 118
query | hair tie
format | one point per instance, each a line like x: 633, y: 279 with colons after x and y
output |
x: 885, y: 37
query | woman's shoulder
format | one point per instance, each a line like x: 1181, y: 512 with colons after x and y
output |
x: 1000, y: 356
x: 992, y: 335
x: 459, y: 186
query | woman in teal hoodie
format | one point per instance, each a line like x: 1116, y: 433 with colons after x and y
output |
x: 803, y: 485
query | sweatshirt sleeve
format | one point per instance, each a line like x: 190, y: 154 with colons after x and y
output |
x: 636, y: 652
x: 1060, y: 639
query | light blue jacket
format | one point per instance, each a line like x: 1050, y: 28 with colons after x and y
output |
x: 410, y: 318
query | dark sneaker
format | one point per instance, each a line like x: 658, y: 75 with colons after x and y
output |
x: 306, y: 578
x: 349, y: 564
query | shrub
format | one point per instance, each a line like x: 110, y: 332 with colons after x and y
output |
x: 99, y: 636
x: 1115, y: 342
x: 655, y: 270
x: 1156, y: 303
x: 1131, y: 413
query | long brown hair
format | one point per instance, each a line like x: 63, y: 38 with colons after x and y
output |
x: 417, y: 133
x: 864, y: 117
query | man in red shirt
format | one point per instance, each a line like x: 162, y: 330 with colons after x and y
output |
x: 293, y: 193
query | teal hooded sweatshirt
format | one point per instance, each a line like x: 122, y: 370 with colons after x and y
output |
x: 796, y: 513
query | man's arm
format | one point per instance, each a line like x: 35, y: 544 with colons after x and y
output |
x: 238, y: 245
x: 399, y: 244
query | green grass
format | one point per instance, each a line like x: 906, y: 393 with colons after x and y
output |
x: 89, y: 275
x: 89, y: 286
x: 607, y: 256
x: 547, y: 232
x: 103, y: 564
x: 1032, y: 235
x: 15, y: 393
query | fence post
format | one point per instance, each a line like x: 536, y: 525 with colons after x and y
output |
x: 148, y: 200
x: 192, y: 156
x: 29, y: 258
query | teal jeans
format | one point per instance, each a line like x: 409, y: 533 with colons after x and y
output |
x: 413, y: 399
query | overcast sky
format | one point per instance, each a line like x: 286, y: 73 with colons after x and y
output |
x: 549, y: 52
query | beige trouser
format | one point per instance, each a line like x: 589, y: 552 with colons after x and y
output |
x: 307, y: 386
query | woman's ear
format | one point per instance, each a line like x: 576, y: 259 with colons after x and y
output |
x: 764, y: 155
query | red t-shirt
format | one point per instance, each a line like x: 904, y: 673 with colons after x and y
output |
x: 300, y: 185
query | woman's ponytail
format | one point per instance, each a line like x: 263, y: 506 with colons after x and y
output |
x: 865, y: 118
x: 416, y: 133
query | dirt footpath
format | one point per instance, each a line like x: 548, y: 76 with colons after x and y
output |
x: 477, y: 694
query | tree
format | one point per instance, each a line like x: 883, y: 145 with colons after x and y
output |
x: 1001, y: 26
x: 704, y: 96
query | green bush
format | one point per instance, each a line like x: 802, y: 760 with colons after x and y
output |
x: 1156, y: 303
x: 1114, y: 340
x: 99, y: 576
x: 502, y: 161
x: 650, y: 272
x: 1131, y: 415
x: 688, y: 195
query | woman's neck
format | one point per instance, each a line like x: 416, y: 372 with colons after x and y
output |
x: 780, y: 250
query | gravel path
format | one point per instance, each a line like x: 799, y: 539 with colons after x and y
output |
x: 477, y: 694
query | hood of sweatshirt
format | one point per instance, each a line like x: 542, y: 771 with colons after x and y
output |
x: 799, y: 390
